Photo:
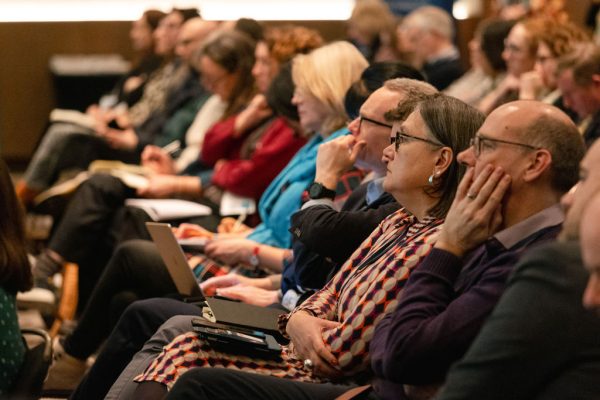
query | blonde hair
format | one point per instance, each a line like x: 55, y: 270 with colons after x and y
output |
x: 326, y: 74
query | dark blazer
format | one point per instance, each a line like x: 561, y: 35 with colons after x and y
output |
x: 323, y: 238
x: 539, y: 342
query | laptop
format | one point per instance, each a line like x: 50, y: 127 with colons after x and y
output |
x: 216, y: 310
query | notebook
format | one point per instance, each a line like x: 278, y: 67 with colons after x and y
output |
x: 217, y: 310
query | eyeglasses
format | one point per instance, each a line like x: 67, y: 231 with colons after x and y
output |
x: 401, y: 138
x: 374, y: 122
x: 513, y: 48
x: 479, y: 141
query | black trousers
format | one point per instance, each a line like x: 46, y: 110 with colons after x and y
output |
x: 137, y: 324
x: 135, y: 272
x: 226, y: 384
x: 93, y: 224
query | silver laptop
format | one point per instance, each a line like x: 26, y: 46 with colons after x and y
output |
x: 214, y: 309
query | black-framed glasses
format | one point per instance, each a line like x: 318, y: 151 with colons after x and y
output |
x: 362, y: 118
x: 401, y: 138
x: 478, y: 142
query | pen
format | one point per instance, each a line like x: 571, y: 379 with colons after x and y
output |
x: 172, y: 147
x: 238, y: 222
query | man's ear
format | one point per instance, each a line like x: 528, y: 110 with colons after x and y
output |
x: 443, y: 161
x: 540, y: 162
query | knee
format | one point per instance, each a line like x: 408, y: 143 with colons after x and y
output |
x: 197, y: 384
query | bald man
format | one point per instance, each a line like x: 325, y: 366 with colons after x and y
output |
x: 540, y: 342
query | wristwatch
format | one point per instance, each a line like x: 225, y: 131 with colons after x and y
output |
x: 254, y: 260
x: 318, y: 191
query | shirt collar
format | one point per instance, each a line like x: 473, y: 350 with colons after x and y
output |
x: 450, y: 52
x: 548, y: 217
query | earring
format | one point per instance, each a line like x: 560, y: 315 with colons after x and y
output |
x: 431, y: 178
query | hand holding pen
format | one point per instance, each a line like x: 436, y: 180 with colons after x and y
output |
x: 159, y: 159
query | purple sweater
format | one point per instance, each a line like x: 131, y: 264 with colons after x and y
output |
x: 445, y: 302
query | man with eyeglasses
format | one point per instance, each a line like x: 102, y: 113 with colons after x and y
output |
x: 324, y: 237
x: 540, y: 341
x: 523, y: 159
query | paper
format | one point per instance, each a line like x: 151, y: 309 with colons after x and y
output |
x: 169, y: 209
x: 236, y: 205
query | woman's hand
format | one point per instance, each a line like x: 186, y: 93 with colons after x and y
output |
x: 250, y: 295
x: 211, y: 285
x: 121, y: 139
x: 228, y: 225
x: 185, y: 231
x: 230, y: 251
x: 476, y: 212
x: 160, y: 186
x: 156, y: 159
x: 257, y: 110
x: 305, y: 332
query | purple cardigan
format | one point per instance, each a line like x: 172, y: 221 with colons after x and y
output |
x: 445, y: 302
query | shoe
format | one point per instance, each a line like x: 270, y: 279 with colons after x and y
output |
x: 65, y: 373
x: 25, y: 193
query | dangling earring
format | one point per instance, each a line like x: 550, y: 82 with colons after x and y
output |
x: 430, y: 180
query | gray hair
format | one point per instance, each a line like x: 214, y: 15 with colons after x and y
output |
x: 431, y: 19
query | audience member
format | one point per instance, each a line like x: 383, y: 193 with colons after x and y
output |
x: 579, y: 83
x: 131, y: 87
x: 556, y: 40
x: 589, y: 251
x: 371, y: 28
x: 429, y: 31
x: 488, y: 68
x: 519, y: 53
x: 539, y: 341
x: 372, y: 79
x: 15, y: 275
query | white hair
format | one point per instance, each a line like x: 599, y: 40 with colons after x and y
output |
x: 431, y: 19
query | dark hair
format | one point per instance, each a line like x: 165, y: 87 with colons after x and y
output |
x: 250, y: 27
x: 372, y: 79
x: 280, y: 92
x: 234, y: 52
x: 452, y: 123
x: 187, y: 13
x: 153, y: 17
x: 15, y: 271
x: 493, y: 33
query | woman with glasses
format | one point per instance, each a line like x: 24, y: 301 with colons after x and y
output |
x: 331, y: 331
x: 520, y: 47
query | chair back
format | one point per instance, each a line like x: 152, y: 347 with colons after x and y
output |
x: 34, y: 369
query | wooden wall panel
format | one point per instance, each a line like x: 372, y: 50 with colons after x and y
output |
x: 26, y: 94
